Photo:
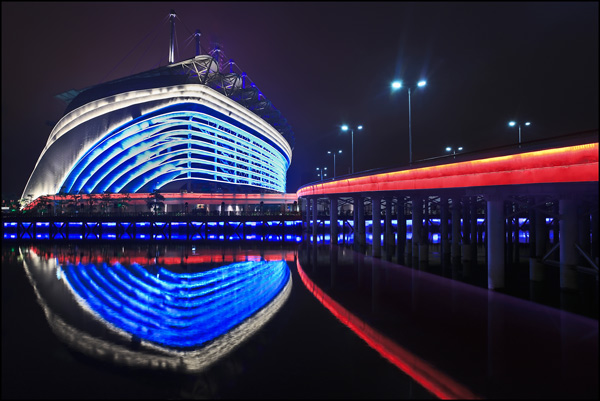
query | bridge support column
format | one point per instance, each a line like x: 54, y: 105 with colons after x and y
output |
x: 417, y: 224
x: 359, y: 229
x: 465, y: 251
x: 333, y: 220
x: 307, y: 207
x: 594, y: 218
x: 444, y: 243
x: 508, y: 206
x: 388, y: 239
x: 474, y: 229
x: 538, y: 228
x: 315, y: 221
x: 584, y: 226
x: 568, y: 238
x: 495, y: 242
x: 401, y: 229
x: 354, y: 217
x: 455, y: 250
x: 424, y: 241
x: 376, y: 208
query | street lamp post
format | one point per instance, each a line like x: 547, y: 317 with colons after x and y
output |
x: 451, y: 149
x: 513, y: 123
x: 321, y: 171
x: 333, y: 153
x: 345, y: 128
x: 398, y: 85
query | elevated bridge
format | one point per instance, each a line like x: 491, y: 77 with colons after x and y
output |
x: 555, y: 178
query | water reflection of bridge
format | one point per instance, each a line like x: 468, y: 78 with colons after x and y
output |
x: 504, y: 187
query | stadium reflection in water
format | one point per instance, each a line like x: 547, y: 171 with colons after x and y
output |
x: 179, y: 313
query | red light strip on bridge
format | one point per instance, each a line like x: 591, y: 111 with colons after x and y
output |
x: 567, y: 164
x: 426, y: 375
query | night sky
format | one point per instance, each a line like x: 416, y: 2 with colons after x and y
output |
x: 322, y: 64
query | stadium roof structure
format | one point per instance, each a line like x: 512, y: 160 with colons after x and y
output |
x: 206, y: 70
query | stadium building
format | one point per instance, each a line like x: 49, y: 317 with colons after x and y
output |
x: 194, y: 126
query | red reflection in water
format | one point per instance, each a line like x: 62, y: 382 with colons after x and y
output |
x: 430, y: 378
x: 142, y: 258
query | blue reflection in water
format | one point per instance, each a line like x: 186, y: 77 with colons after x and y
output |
x: 177, y: 309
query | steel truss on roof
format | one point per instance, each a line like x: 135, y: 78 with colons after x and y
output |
x: 206, y: 70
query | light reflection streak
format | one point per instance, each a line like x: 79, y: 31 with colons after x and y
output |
x: 423, y: 373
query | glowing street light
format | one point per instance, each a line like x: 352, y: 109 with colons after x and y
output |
x: 333, y: 153
x: 321, y: 172
x: 346, y: 128
x: 451, y: 149
x: 513, y: 123
x: 397, y: 85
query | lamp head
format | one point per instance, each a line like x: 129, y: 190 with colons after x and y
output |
x: 344, y: 128
x: 512, y: 123
x: 396, y: 84
x: 359, y: 127
x: 421, y: 83
x: 527, y: 123
x: 448, y: 149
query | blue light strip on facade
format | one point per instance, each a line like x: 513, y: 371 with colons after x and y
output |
x: 177, y: 310
x: 176, y: 145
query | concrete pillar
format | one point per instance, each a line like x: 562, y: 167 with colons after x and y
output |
x: 532, y: 234
x: 314, y: 219
x: 444, y: 243
x: 474, y: 229
x: 424, y: 243
x: 568, y: 238
x: 508, y: 209
x: 538, y: 228
x: 466, y: 230
x: 584, y: 226
x: 517, y: 244
x: 359, y: 231
x: 495, y: 242
x: 388, y: 239
x: 555, y: 223
x: 455, y: 210
x: 417, y: 224
x: 354, y: 215
x: 307, y: 206
x: 376, y: 207
x: 333, y: 220
x: 401, y: 230
x: 595, y: 245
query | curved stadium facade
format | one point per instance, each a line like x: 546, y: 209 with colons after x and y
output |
x: 187, y: 126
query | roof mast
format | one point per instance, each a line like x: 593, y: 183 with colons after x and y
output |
x: 172, y: 47
x: 197, y: 35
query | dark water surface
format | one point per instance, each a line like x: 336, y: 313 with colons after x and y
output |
x: 265, y: 320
